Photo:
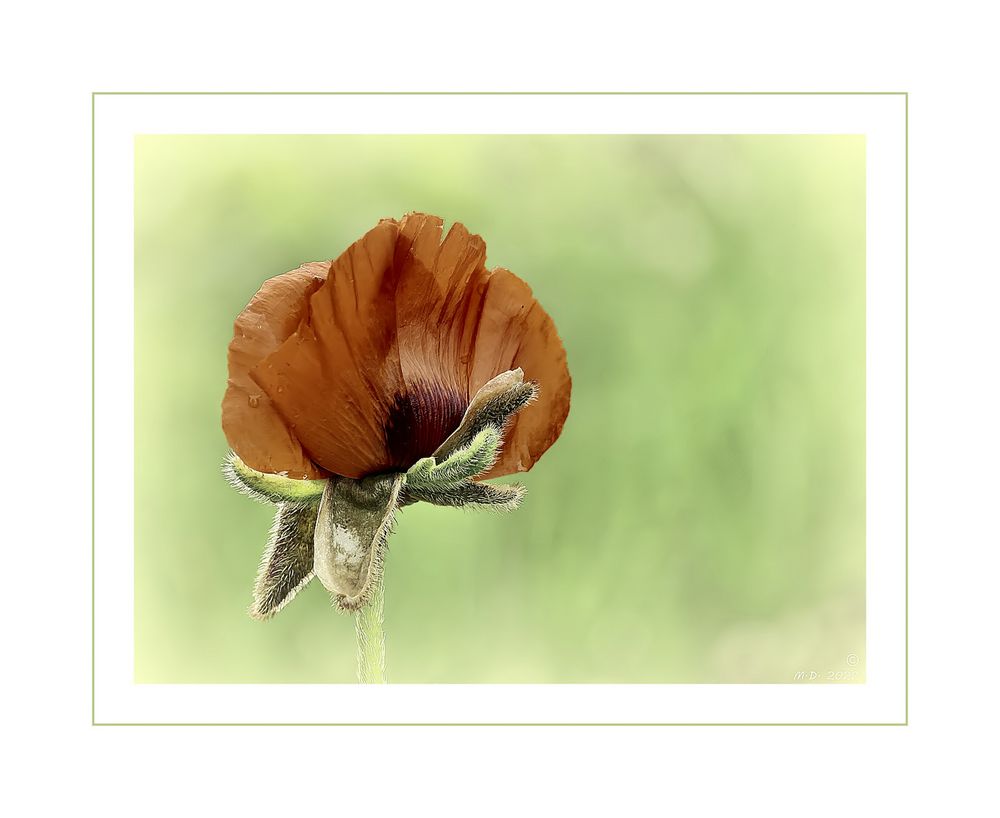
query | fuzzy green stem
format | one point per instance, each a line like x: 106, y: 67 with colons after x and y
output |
x: 371, y: 638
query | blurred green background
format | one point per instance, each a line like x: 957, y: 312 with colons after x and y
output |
x: 702, y: 517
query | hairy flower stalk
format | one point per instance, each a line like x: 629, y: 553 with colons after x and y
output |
x: 368, y: 623
x: 403, y: 371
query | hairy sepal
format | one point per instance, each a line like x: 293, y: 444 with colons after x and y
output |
x: 287, y: 564
x: 270, y: 488
x: 496, y: 402
x: 353, y: 524
x: 468, y: 494
x: 473, y: 459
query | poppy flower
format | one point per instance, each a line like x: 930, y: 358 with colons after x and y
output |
x: 402, y: 371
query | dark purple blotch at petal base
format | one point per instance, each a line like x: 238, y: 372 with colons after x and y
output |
x: 420, y: 420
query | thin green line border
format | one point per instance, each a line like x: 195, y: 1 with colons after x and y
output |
x: 93, y: 441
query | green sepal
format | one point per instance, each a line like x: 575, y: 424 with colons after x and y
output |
x: 270, y: 488
x: 493, y: 497
x: 462, y: 464
x: 287, y: 564
x: 352, y: 530
x: 420, y: 472
x: 496, y: 402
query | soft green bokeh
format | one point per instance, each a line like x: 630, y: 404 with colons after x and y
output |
x: 702, y: 517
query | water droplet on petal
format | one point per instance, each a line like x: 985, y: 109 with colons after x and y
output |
x: 281, y: 389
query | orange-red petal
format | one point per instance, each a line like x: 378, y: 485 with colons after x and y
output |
x: 252, y: 425
x: 530, y: 338
x: 335, y: 377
